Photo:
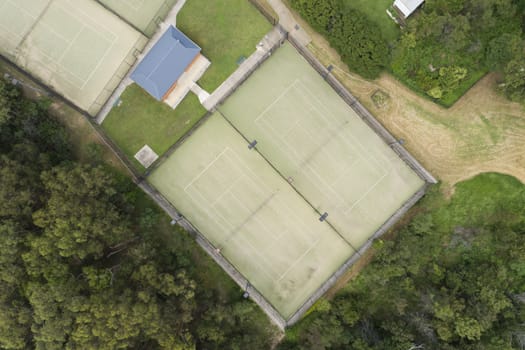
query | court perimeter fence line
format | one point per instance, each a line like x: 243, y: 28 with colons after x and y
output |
x: 176, y: 145
x: 120, y: 74
x: 159, y: 199
x: 331, y: 281
x: 370, y: 121
x: 274, y: 21
x: 52, y: 94
x: 151, y: 28
x: 227, y: 94
x: 277, y: 44
x: 208, y: 247
x: 363, y: 113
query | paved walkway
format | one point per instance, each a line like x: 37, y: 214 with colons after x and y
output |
x: 171, y: 19
x: 287, y: 20
x: 263, y: 50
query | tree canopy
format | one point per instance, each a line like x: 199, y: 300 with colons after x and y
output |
x: 358, y: 40
x: 443, y: 50
x: 451, y: 279
x: 83, y: 263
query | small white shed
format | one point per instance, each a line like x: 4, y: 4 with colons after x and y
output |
x: 407, y: 7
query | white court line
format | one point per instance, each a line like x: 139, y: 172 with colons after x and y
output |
x: 228, y: 231
x: 206, y: 168
x: 345, y: 171
x: 309, y: 92
x: 299, y: 259
x: 229, y: 234
x: 366, y: 193
x: 87, y: 18
x: 204, y: 204
x: 66, y: 51
x: 94, y: 25
x: 301, y: 164
x: 298, y: 222
x: 71, y: 43
x: 359, y: 154
x: 20, y: 36
x: 235, y: 182
x: 285, y: 91
x: 252, y: 216
x: 98, y: 64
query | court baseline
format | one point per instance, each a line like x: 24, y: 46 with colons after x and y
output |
x: 204, y: 203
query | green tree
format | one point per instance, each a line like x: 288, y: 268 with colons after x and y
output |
x: 81, y: 216
x: 514, y: 83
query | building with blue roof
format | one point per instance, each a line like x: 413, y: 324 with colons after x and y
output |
x: 165, y: 63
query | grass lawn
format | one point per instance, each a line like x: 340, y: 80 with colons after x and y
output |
x: 225, y: 30
x: 376, y: 11
x: 141, y: 119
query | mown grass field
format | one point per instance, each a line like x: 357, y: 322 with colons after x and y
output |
x: 141, y: 119
x: 225, y: 30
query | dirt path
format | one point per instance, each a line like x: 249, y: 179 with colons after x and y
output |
x: 482, y: 132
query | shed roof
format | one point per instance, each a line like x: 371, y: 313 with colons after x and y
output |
x: 407, y: 6
x: 165, y: 62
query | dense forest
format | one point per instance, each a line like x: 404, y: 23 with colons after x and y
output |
x: 83, y: 264
x: 453, y: 278
x: 444, y: 48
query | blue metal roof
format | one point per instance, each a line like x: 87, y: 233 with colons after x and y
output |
x: 165, y: 62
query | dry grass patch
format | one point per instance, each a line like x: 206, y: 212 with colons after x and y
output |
x: 482, y: 132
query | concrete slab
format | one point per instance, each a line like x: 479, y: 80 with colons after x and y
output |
x: 146, y: 156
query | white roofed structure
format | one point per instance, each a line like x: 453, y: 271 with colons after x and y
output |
x: 407, y: 7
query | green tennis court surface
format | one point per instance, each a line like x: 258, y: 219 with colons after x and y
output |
x: 77, y: 47
x: 143, y: 14
x: 314, y: 139
x: 244, y: 208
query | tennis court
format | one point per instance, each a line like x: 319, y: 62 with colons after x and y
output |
x: 249, y: 212
x: 317, y: 142
x: 75, y: 46
x: 143, y: 14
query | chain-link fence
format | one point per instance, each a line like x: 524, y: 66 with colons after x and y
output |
x: 363, y: 113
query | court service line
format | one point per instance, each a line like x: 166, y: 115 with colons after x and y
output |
x: 301, y: 165
x: 298, y: 259
x: 366, y: 193
x: 227, y: 190
x: 228, y: 231
x: 207, y: 167
x: 98, y: 63
x: 71, y: 43
x: 346, y: 170
x: 286, y: 207
x: 94, y: 25
x: 87, y: 18
x: 246, y: 240
x: 208, y: 210
x: 285, y: 91
x: 253, y: 215
x: 309, y: 92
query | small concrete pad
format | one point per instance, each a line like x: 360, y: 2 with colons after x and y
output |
x: 146, y: 156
